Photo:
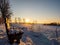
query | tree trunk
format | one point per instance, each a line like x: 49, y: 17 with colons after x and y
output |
x: 6, y: 26
x: 56, y: 34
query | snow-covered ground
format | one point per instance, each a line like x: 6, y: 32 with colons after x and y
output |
x: 34, y: 34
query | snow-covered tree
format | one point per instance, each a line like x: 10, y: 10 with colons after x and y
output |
x: 5, y: 11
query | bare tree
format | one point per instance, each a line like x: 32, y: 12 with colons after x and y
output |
x: 15, y: 20
x: 5, y: 12
x: 19, y: 19
x: 23, y: 20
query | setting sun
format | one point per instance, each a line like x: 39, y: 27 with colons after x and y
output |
x: 27, y: 20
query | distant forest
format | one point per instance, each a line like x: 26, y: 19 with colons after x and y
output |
x: 53, y: 24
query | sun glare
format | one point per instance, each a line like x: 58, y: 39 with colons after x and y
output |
x: 27, y: 20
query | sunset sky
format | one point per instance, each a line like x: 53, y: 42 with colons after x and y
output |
x: 44, y: 11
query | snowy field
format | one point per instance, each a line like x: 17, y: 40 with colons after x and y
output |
x: 33, y: 34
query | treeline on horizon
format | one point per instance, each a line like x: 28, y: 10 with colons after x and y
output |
x: 53, y: 24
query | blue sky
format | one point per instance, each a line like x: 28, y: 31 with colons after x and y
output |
x: 40, y: 10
